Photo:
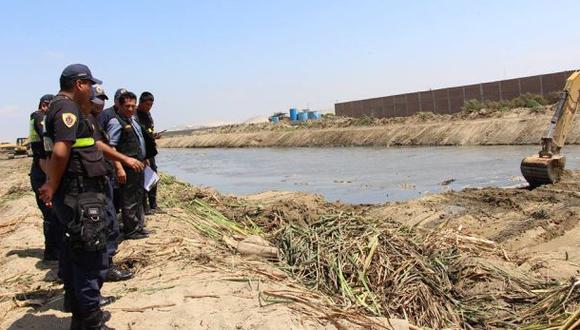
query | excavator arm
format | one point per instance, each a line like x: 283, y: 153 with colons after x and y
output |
x: 547, y: 166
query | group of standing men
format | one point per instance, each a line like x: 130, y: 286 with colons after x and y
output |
x: 87, y: 172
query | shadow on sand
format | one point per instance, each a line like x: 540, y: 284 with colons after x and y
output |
x: 41, y: 322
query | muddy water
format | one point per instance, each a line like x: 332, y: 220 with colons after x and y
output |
x: 355, y: 175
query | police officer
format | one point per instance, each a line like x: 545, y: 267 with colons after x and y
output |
x: 52, y: 229
x: 114, y: 273
x: 104, y: 118
x: 146, y: 120
x: 99, y: 98
x: 125, y: 134
x: 75, y: 188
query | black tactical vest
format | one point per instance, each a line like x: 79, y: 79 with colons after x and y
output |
x: 86, y: 159
x: 129, y: 142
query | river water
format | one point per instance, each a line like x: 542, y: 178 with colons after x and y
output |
x: 354, y: 175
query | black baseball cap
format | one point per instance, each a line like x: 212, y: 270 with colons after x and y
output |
x: 79, y: 71
x: 46, y: 98
x: 98, y: 95
x: 99, y: 92
x: 119, y: 92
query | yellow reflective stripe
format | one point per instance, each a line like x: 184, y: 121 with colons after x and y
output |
x: 33, y: 136
x: 84, y: 142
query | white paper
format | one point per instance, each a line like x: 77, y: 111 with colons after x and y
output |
x: 151, y: 178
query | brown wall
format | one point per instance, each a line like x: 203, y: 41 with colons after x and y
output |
x: 450, y: 100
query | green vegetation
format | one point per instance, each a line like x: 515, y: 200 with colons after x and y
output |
x: 531, y: 101
x: 424, y: 115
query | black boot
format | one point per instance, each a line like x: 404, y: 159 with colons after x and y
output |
x: 71, y: 305
x: 76, y: 322
x: 69, y: 302
x: 95, y: 319
x: 114, y: 274
x: 105, y: 301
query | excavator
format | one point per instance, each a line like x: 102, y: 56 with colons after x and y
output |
x: 20, y: 148
x: 548, y: 165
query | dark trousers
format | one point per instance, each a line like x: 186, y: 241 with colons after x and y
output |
x: 113, y: 225
x: 82, y: 272
x: 150, y: 198
x: 117, y: 198
x: 132, y: 193
x: 116, y: 193
x: 53, y: 232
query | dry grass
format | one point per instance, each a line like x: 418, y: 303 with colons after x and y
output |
x: 375, y: 268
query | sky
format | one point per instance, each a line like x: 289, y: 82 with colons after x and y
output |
x: 227, y: 61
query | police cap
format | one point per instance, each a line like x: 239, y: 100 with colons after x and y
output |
x: 79, y: 71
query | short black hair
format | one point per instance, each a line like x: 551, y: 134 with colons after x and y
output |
x: 146, y: 96
x: 127, y: 96
x: 66, y: 84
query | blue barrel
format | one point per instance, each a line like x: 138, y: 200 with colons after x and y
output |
x: 313, y: 115
x: 275, y: 119
x: 293, y: 114
x: 303, y: 116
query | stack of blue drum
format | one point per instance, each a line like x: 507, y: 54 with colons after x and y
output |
x: 304, y: 115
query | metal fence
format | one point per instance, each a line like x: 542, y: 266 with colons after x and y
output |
x: 451, y: 100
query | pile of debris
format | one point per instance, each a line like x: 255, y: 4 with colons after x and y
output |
x: 372, y: 266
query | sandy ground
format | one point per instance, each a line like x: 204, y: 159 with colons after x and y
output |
x: 182, y: 280
x: 498, y: 128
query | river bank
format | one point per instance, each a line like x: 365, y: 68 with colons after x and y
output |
x: 358, y: 175
x: 183, y: 280
x: 515, y: 127
x: 478, y: 258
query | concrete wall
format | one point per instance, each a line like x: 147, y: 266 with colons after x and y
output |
x: 450, y: 100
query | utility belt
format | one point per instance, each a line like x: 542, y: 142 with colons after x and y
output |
x: 86, y: 197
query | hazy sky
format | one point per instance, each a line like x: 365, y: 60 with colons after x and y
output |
x: 210, y: 61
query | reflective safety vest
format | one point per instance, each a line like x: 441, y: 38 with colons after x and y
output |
x: 84, y: 142
x: 33, y: 134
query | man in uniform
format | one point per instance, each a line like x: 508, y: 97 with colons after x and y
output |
x: 126, y: 136
x: 104, y: 118
x: 51, y: 227
x: 114, y: 273
x: 144, y: 116
x: 99, y: 98
x: 76, y: 188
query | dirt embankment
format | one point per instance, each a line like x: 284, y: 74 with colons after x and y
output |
x: 519, y: 126
x: 479, y: 258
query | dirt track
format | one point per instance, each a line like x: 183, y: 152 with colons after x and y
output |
x: 519, y: 126
x: 182, y: 275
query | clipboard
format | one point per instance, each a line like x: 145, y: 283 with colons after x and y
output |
x: 151, y: 178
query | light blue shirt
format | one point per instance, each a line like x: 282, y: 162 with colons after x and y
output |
x: 114, y: 131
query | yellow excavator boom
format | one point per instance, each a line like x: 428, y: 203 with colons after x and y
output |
x: 547, y: 166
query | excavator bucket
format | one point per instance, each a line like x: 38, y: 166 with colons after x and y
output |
x: 542, y: 170
x: 548, y: 165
